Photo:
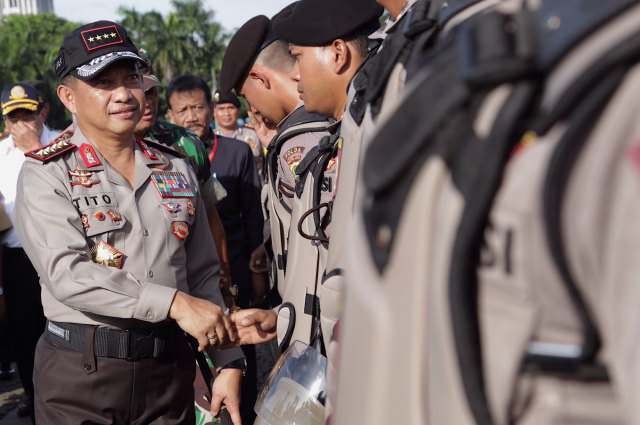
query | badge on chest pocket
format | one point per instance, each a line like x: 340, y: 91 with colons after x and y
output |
x: 99, y: 213
x: 179, y: 215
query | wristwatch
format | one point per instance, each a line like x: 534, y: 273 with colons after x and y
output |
x: 236, y: 364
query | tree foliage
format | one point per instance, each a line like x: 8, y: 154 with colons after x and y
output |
x: 187, y: 40
x: 28, y: 46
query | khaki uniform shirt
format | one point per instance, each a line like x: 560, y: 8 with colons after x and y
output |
x: 77, y: 203
x: 521, y: 297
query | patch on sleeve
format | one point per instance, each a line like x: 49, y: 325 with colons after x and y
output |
x: 293, y: 157
x: 53, y: 149
x: 105, y: 254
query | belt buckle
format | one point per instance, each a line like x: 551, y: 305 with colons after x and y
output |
x: 140, y: 345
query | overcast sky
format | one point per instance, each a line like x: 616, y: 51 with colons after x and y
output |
x: 231, y: 13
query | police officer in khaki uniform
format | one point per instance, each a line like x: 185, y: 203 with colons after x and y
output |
x: 329, y: 43
x: 226, y: 108
x: 257, y: 65
x: 503, y: 291
x: 109, y: 223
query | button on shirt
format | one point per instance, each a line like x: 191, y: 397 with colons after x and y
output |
x: 11, y: 159
x: 165, y: 241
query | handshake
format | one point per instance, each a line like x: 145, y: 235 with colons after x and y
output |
x: 212, y: 326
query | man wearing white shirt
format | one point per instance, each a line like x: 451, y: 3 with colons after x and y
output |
x: 24, y: 111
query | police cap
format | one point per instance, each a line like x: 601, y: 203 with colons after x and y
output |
x: 89, y: 49
x: 221, y: 97
x: 319, y: 22
x: 243, y: 49
x: 20, y: 96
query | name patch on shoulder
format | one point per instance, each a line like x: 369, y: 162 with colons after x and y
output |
x: 172, y: 184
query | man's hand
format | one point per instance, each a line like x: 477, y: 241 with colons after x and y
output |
x: 25, y: 136
x: 226, y: 389
x: 255, y: 325
x: 201, y: 319
x: 263, y: 128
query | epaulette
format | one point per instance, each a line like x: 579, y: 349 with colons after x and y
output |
x: 164, y: 148
x: 59, y: 145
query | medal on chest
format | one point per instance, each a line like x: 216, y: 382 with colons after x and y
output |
x: 172, y: 184
x: 82, y: 178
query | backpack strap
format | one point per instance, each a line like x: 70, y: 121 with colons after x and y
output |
x: 298, y: 122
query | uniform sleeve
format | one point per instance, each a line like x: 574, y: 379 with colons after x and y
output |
x: 203, y: 271
x: 602, y: 232
x: 52, y: 235
x: 292, y: 152
x: 250, y: 200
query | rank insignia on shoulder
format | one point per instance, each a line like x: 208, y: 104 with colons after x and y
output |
x: 85, y: 221
x: 180, y: 230
x: 147, y: 151
x: 171, y: 184
x: 161, y: 157
x: 172, y: 207
x: 191, y: 209
x: 114, y: 215
x: 53, y: 149
x: 88, y: 155
x: 105, y: 254
x: 82, y: 178
x: 99, y: 215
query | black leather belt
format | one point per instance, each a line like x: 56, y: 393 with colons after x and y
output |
x: 128, y: 344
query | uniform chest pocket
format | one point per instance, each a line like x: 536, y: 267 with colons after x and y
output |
x: 99, y: 214
x: 179, y: 215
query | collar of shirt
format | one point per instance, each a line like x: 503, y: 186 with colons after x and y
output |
x: 299, y: 105
x: 390, y: 23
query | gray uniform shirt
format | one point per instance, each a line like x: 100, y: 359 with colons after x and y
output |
x: 162, y: 234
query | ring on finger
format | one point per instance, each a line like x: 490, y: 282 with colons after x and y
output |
x: 211, y: 337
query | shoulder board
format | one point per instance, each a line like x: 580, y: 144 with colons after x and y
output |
x: 164, y: 148
x: 59, y: 145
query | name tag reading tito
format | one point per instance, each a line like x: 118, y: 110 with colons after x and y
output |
x: 172, y: 184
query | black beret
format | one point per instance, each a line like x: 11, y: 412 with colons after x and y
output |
x: 319, y: 22
x: 243, y: 49
x: 221, y: 97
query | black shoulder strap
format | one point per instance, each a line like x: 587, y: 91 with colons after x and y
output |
x: 164, y: 148
x: 315, y: 164
x: 373, y: 75
x: 298, y: 122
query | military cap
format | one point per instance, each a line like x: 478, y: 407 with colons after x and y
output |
x: 20, y: 96
x: 319, y: 22
x: 243, y: 49
x: 149, y: 81
x: 88, y: 49
x: 221, y: 97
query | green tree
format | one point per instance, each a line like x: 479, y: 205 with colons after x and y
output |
x: 187, y: 40
x: 28, y: 46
